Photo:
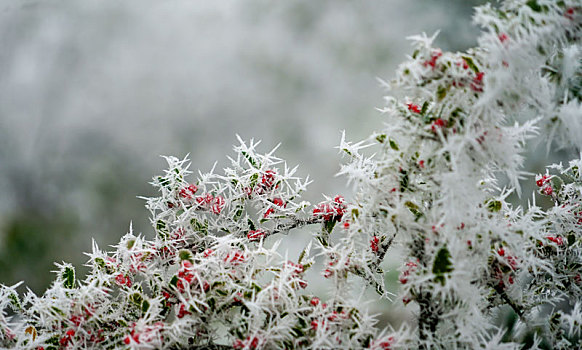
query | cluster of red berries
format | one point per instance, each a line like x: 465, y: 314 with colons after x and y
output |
x: 296, y: 269
x: 413, y: 108
x: 209, y: 202
x: 67, y: 337
x: 544, y: 183
x: 183, y: 311
x: 235, y: 257
x: 186, y: 277
x: 208, y: 252
x: 188, y: 192
x: 122, y: 280
x: 374, y: 244
x: 569, y: 14
x: 383, y: 344
x: 410, y: 268
x: 315, y: 301
x: 329, y: 211
x: 334, y: 316
x: 267, y: 183
x: 248, y: 343
x: 433, y: 59
x: 328, y: 272
x: 147, y: 335
x: 438, y: 124
x: 278, y: 202
x: 508, y: 260
x: 256, y: 235
x: 477, y: 83
x: 558, y: 239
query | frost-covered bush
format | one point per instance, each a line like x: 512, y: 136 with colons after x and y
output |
x: 457, y: 125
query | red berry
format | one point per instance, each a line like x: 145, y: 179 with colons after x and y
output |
x: 268, y: 179
x: 432, y: 62
x: 188, y: 192
x: 374, y: 244
x: 413, y: 108
x: 541, y: 180
x: 255, y: 235
x: 438, y: 124
x: 279, y: 202
x: 218, y: 205
x: 477, y: 84
x: 548, y: 190
x: 183, y: 311
x: 238, y: 344
x: 208, y: 252
x: 120, y: 279
x: 558, y: 240
x: 268, y: 212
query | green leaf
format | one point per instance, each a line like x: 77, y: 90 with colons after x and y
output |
x: 442, y: 264
x: 136, y: 298
x: 161, y: 228
x: 145, y: 306
x: 100, y: 263
x: 556, y: 183
x: 381, y: 138
x: 403, y: 180
x: 323, y: 239
x: 441, y: 93
x: 329, y: 225
x: 414, y: 209
x: 58, y: 311
x: 393, y: 144
x: 185, y: 254
x: 14, y: 301
x: 471, y: 64
x: 174, y: 281
x: 130, y: 243
x: 201, y: 227
x: 494, y: 205
x: 238, y: 213
x: 252, y: 225
x: 250, y: 159
x: 164, y: 182
x: 254, y: 179
x: 533, y: 4
x: 68, y: 276
x: 571, y: 239
x: 256, y: 287
x: 424, y: 108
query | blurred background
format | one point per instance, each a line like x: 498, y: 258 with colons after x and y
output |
x: 93, y: 91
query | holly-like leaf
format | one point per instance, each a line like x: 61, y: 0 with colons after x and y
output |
x: 442, y: 264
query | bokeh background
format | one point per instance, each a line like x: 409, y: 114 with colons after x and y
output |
x: 93, y: 91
